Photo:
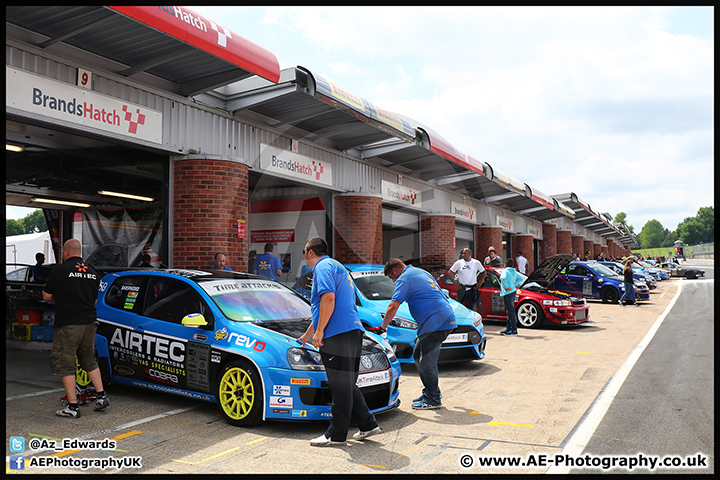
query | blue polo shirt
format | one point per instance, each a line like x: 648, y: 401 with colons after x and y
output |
x: 330, y: 276
x: 267, y: 265
x: 428, y: 305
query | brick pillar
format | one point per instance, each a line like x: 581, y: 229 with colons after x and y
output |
x: 525, y: 243
x: 209, y: 197
x: 587, y: 247
x: 358, y: 228
x: 564, y: 242
x: 597, y: 248
x: 577, y: 244
x: 548, y: 245
x: 484, y: 238
x: 437, y: 234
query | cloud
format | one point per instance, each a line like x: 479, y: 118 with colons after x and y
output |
x: 562, y: 98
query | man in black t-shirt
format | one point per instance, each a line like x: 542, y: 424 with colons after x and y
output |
x: 73, y: 285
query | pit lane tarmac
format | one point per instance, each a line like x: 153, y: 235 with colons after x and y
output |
x: 528, y: 395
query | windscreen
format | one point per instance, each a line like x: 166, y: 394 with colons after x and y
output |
x: 255, y: 300
x: 603, y: 270
x: 374, y: 285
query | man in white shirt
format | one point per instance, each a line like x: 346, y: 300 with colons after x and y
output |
x: 467, y: 270
x: 521, y: 263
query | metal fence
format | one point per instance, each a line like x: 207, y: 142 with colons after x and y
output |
x: 703, y: 250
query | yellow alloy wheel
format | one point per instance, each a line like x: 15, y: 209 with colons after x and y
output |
x: 81, y: 376
x: 238, y: 394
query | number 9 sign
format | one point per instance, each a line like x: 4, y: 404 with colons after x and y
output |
x: 84, y: 79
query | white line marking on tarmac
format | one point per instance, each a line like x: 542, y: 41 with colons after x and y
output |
x: 125, y: 425
x: 585, y: 431
x: 54, y: 390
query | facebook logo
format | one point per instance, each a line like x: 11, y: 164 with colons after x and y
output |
x: 17, y: 444
x: 17, y: 462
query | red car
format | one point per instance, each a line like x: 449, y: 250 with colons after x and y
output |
x: 534, y: 303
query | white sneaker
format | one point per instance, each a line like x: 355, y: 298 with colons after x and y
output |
x: 363, y: 435
x: 323, y: 441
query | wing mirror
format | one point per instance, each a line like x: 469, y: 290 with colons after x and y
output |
x: 194, y: 320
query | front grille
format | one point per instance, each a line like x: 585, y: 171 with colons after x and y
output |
x: 373, y: 362
x: 376, y: 396
x: 581, y: 315
x: 448, y: 355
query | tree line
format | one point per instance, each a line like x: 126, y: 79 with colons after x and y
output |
x: 691, y: 231
x: 33, y: 223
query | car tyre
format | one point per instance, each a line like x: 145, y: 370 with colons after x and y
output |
x: 239, y: 394
x: 690, y: 275
x: 609, y: 295
x: 530, y: 315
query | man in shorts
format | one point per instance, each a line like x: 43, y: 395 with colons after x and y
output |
x: 73, y: 286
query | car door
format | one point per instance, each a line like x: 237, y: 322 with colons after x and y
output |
x: 491, y: 303
x: 176, y: 355
x: 121, y: 306
x: 578, y: 280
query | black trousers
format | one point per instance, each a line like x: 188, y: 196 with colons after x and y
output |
x: 341, y: 357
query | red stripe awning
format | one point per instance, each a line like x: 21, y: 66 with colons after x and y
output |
x: 200, y: 32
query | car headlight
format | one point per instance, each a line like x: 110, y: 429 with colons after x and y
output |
x: 403, y: 323
x: 303, y: 359
x: 477, y: 318
x: 558, y: 303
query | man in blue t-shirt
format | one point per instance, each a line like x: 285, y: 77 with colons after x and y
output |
x: 219, y: 261
x: 337, y: 333
x: 431, y: 310
x: 267, y: 264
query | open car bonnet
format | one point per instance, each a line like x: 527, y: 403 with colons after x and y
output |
x: 548, y: 270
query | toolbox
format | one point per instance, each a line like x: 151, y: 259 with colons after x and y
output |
x: 26, y: 315
x: 41, y: 333
x: 21, y: 331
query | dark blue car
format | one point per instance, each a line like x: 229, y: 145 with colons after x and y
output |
x: 590, y: 280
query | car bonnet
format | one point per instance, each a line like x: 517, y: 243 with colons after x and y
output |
x: 548, y: 270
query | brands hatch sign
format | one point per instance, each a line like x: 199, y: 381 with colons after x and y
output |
x: 289, y: 164
x: 49, y: 98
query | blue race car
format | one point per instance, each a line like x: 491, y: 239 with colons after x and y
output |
x: 645, y: 278
x: 663, y: 274
x: 374, y: 291
x: 228, y: 338
x: 590, y: 280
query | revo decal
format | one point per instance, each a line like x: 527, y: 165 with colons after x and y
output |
x: 247, y: 342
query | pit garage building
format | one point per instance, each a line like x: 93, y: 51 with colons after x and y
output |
x: 161, y: 131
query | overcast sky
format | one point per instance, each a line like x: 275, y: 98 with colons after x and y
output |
x: 614, y: 104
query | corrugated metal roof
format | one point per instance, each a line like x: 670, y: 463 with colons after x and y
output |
x: 136, y: 47
x: 585, y: 216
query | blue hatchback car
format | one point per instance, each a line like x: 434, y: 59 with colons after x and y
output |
x: 590, y: 280
x: 646, y: 278
x: 228, y: 338
x: 374, y: 291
